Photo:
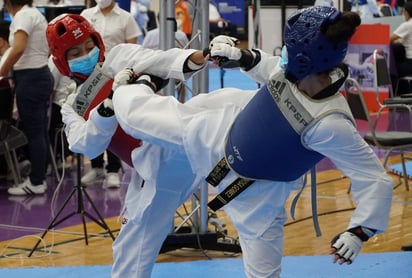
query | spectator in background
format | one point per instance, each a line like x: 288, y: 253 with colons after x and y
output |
x: 28, y: 59
x: 24, y: 163
x: 218, y: 25
x: 4, y: 47
x: 152, y: 40
x: 183, y: 18
x: 327, y: 3
x: 113, y: 23
x: 139, y: 9
x: 401, y: 43
x: 116, y: 26
x: 4, y: 38
x: 366, y: 9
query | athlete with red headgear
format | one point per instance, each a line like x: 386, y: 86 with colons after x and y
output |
x: 257, y: 146
x: 78, y: 52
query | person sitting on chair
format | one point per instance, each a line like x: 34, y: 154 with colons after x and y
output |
x: 217, y: 24
x: 401, y: 43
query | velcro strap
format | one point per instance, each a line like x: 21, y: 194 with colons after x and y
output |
x: 233, y: 190
x: 147, y: 83
x: 218, y: 173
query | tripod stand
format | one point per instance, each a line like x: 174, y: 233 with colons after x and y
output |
x: 80, y: 190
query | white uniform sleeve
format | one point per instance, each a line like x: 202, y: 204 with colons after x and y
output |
x: 164, y: 64
x: 268, y: 66
x: 89, y: 137
x: 371, y: 186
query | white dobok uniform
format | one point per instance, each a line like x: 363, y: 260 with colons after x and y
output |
x: 135, y: 248
x: 191, y: 136
x: 195, y: 133
x: 165, y: 64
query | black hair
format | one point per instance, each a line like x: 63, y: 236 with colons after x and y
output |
x: 4, y: 30
x: 408, y: 8
x: 19, y: 2
x: 344, y: 28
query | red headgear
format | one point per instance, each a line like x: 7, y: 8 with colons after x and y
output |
x: 66, y: 31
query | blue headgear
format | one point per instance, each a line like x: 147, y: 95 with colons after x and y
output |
x: 309, y: 51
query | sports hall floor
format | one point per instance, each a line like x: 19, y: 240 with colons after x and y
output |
x: 24, y: 219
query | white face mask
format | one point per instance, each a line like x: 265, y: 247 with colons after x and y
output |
x: 103, y: 3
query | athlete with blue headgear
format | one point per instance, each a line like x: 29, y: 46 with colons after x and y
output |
x: 255, y: 147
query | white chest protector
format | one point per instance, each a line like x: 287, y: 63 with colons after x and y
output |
x: 92, y: 92
x: 264, y: 142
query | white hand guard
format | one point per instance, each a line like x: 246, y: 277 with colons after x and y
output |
x: 347, y: 245
x: 122, y: 78
x: 224, y: 51
x: 232, y: 41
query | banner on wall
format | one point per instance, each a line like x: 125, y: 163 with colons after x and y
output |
x: 359, y: 58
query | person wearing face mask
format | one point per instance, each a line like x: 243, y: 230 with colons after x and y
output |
x: 28, y: 62
x: 116, y: 26
x: 81, y: 56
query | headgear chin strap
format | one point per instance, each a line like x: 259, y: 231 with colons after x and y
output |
x: 309, y: 51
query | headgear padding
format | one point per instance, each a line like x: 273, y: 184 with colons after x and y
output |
x: 309, y: 51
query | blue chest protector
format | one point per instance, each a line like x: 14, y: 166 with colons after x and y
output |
x: 264, y: 141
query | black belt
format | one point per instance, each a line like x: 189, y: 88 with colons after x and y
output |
x: 218, y: 173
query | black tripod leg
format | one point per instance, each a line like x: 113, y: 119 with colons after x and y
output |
x: 99, y: 221
x: 79, y: 188
x: 53, y: 222
x: 80, y: 209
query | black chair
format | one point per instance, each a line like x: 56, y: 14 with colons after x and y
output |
x: 407, y: 82
x: 382, y: 81
x: 386, y: 10
x: 11, y: 138
x: 388, y: 140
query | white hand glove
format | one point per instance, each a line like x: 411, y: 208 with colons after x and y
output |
x: 122, y: 78
x: 232, y: 41
x: 348, y: 246
x: 224, y: 51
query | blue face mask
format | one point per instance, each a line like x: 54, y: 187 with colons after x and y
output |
x: 283, y: 59
x: 85, y: 64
